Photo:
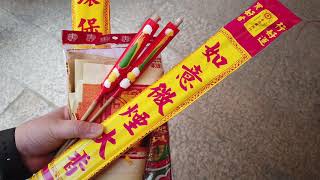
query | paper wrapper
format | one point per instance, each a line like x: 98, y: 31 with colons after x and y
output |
x: 218, y: 57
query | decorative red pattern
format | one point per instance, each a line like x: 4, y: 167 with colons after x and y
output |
x: 78, y: 37
x: 250, y: 43
x: 95, y: 38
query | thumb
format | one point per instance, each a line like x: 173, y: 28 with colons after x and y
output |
x: 76, y: 129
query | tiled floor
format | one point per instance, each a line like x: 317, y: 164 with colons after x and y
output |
x: 262, y: 122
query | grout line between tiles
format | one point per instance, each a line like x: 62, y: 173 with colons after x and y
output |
x: 12, y: 102
x: 32, y: 24
x: 51, y: 104
x: 25, y: 87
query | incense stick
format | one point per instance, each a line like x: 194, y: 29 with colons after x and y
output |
x: 147, y: 57
x: 129, y: 56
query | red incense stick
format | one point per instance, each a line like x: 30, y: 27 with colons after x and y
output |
x: 129, y: 56
x: 136, y: 69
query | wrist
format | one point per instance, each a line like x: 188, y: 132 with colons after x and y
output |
x: 21, y: 147
x: 20, y: 142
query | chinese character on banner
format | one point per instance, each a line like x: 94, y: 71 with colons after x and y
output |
x: 76, y: 161
x: 72, y: 37
x: 159, y: 139
x: 214, y: 51
x: 103, y: 140
x: 90, y: 2
x: 162, y: 129
x: 281, y: 27
x: 137, y: 119
x: 125, y: 39
x: 91, y: 27
x: 271, y: 34
x: 241, y: 18
x: 188, y: 76
x: 90, y: 37
x: 249, y: 12
x: 131, y: 110
x: 263, y: 40
x: 258, y: 6
x: 105, y: 39
x: 162, y: 95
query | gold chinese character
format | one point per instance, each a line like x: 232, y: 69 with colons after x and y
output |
x: 157, y: 139
x: 163, y: 129
x: 271, y: 34
x: 249, y: 12
x: 241, y: 18
x: 281, y: 27
x: 263, y: 40
x: 258, y: 6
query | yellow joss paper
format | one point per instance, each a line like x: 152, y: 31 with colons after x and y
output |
x: 91, y: 15
x: 219, y: 56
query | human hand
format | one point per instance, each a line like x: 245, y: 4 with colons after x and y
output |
x: 36, y: 140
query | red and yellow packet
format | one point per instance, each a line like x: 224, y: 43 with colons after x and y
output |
x: 222, y: 54
x: 158, y: 165
x: 91, y: 16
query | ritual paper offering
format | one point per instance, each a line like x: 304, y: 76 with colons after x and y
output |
x: 91, y: 15
x: 158, y: 165
x: 219, y: 56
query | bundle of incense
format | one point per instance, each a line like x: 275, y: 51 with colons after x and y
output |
x: 137, y: 67
x: 222, y: 54
x: 129, y: 67
x: 122, y: 65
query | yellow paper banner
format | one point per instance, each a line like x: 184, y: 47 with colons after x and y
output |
x: 91, y: 16
x: 198, y: 73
